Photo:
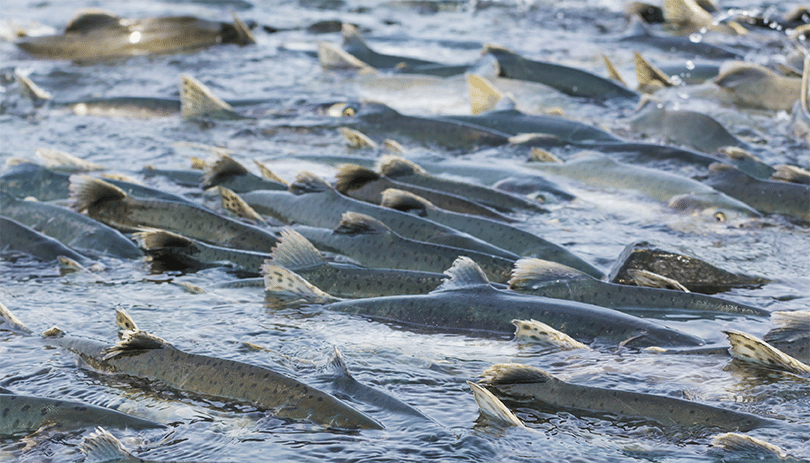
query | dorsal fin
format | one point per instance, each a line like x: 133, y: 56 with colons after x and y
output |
x: 753, y: 350
x: 225, y: 166
x: 613, y: 73
x: 492, y: 407
x: 530, y: 271
x: 791, y: 326
x: 65, y: 162
x: 86, y: 192
x: 198, y: 101
x: 31, y: 90
x: 11, y: 320
x: 404, y: 201
x: 353, y: 223
x: 101, y: 446
x: 333, y: 57
x: 357, y: 139
x: 134, y: 341
x: 789, y: 173
x: 514, y: 373
x: 198, y: 163
x: 464, y: 274
x: 395, y: 166
x: 124, y: 321
x: 307, y: 182
x: 686, y: 13
x: 393, y: 147
x: 540, y: 155
x: 90, y: 19
x: 244, y: 36
x: 735, y: 73
x: 295, y: 252
x: 484, y: 96
x: 234, y: 204
x: 283, y: 288
x: 649, y: 279
x: 739, y: 447
x: 337, y: 365
x: 352, y: 38
x: 637, y: 27
x: 268, y: 174
x: 153, y: 240
x: 353, y: 177
x: 650, y: 78
x: 535, y: 331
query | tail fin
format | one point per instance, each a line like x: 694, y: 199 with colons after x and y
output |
x: 268, y: 174
x: 87, y: 192
x: 613, y: 73
x: 357, y: 139
x: 244, y: 36
x: 198, y: 102
x: 283, y: 288
x: 650, y: 78
x: 66, y: 162
x: 12, y: 321
x: 295, y: 252
x: 484, y: 96
x: 31, y: 90
x: 225, y: 166
x: 492, y: 407
x: 124, y: 321
x: 535, y: 331
x: 753, y: 350
x: 747, y: 448
x: 102, y: 447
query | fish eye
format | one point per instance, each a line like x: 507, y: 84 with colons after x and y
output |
x: 348, y: 111
x: 720, y: 216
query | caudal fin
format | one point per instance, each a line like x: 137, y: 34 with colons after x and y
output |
x: 535, y: 331
x: 198, y: 102
x: 750, y: 349
x: 283, y: 288
x: 11, y: 321
x: 492, y: 407
x: 102, y: 447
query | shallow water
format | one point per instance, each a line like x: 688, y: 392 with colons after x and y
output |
x: 426, y: 370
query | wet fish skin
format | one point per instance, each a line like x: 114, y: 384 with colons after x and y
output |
x: 148, y: 357
x: 468, y: 303
x: 757, y: 86
x: 639, y: 34
x: 791, y: 335
x: 127, y: 107
x: 543, y: 278
x: 112, y: 206
x: 297, y: 254
x: 503, y: 235
x: 522, y: 384
x: 72, y: 229
x: 354, y: 43
x: 24, y: 414
x: 311, y: 201
x: 166, y: 245
x: 16, y: 237
x: 371, y: 243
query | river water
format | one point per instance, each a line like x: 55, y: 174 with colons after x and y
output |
x: 427, y: 370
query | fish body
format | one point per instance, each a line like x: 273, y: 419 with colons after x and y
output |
x: 791, y: 335
x: 148, y: 357
x: 355, y: 45
x: 112, y: 206
x: 758, y: 87
x: 98, y: 35
x: 16, y: 237
x: 525, y: 384
x: 313, y: 202
x: 128, y: 107
x: 22, y: 414
x: 500, y: 234
x: 639, y: 34
x: 548, y: 279
x: 166, y: 245
x: 75, y: 230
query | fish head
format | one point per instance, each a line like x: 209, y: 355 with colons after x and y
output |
x: 713, y: 206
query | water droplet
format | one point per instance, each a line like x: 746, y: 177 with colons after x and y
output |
x: 690, y: 65
x: 695, y: 37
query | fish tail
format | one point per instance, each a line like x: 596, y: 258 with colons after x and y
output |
x: 648, y: 75
x: 653, y: 280
x: 751, y: 448
x: 59, y: 160
x: 535, y: 331
x: 511, y: 373
x: 123, y: 320
x: 530, y: 271
x: 31, y: 90
x: 613, y: 73
x: 283, y: 287
x: 135, y: 341
x: 86, y: 192
x: 404, y: 201
x: 294, y: 252
x: 750, y: 349
x: 101, y: 446
x: 492, y: 407
x: 12, y: 321
x: 244, y: 36
x: 198, y: 101
x: 161, y: 240
x: 233, y: 203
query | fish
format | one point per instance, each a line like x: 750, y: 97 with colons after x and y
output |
x: 598, y: 170
x: 792, y: 174
x: 752, y: 350
x: 756, y: 86
x: 111, y: 205
x: 24, y: 414
x: 364, y: 184
x: 791, y: 334
x: 74, y: 230
x: 791, y: 199
x: 695, y: 274
x: 550, y: 279
x: 98, y: 35
x: 371, y: 243
x: 732, y: 446
x: 18, y: 238
x: 468, y: 303
x: 146, y: 356
x: 227, y: 172
x: 568, y: 80
x: 311, y: 201
x: 102, y: 446
x: 540, y: 333
x: 354, y: 44
x: 492, y: 407
x: 296, y: 253
x: 800, y: 116
x: 503, y: 235
x: 528, y: 385
x: 691, y: 15
x: 639, y: 34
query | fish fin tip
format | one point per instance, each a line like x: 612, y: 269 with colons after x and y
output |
x: 750, y: 448
x: 197, y: 101
x: 464, y: 273
x: 225, y: 166
x: 396, y: 166
x: 354, y: 223
x: 269, y: 174
x: 484, y: 96
x: 529, y: 271
x: 12, y: 321
x: 86, y: 192
x: 244, y: 36
x: 357, y: 139
x: 751, y: 349
x: 133, y: 341
x: 283, y: 287
x: 535, y: 331
x: 156, y: 240
x: 307, y: 182
x: 511, y: 373
x: 295, y: 252
x: 30, y: 89
x: 650, y: 76
x: 330, y: 56
x: 492, y: 408
x: 404, y: 201
x: 234, y: 204
x: 613, y: 73
x: 65, y: 162
x: 649, y: 279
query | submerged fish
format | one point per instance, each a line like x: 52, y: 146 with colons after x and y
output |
x: 503, y: 235
x: 18, y: 238
x: 98, y: 35
x: 22, y: 414
x: 756, y: 86
x: 297, y: 254
x: 530, y: 385
x: 548, y: 279
x: 467, y: 302
x: 146, y: 356
x: 638, y: 34
x: 791, y: 335
x: 109, y: 204
x: 354, y: 44
x: 102, y: 447
x: 71, y: 228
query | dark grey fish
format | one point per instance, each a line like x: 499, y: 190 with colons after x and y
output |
x: 295, y: 253
x: 549, y: 279
x: 18, y: 238
x: 639, y: 34
x: 791, y: 334
x: 22, y: 414
x: 98, y: 35
x: 354, y: 43
x: 75, y: 230
x: 371, y: 243
x: 468, y: 303
x: 312, y: 201
x: 145, y: 356
x: 503, y: 235
x: 227, y: 172
x: 530, y: 385
x: 109, y: 204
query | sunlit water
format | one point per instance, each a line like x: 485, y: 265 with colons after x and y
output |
x: 427, y: 370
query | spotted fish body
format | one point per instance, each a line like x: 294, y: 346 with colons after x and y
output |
x: 165, y: 245
x: 21, y: 414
